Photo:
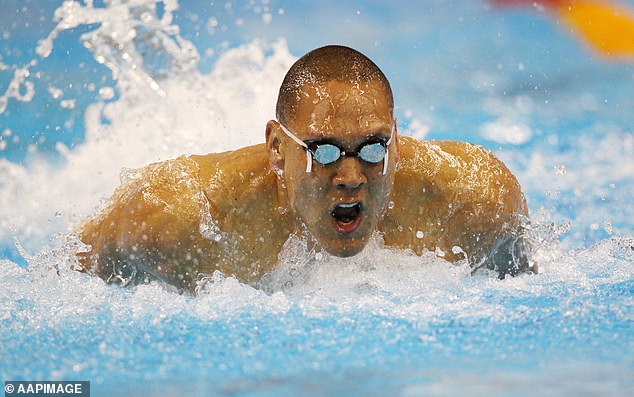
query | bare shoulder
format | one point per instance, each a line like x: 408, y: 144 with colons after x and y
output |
x: 152, y: 207
x: 188, y: 187
x: 232, y: 177
x: 449, y: 194
x: 192, y: 215
x: 242, y: 188
x: 461, y: 172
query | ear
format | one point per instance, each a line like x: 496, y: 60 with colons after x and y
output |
x: 273, y: 147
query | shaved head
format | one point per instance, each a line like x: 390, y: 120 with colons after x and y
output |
x: 325, y: 64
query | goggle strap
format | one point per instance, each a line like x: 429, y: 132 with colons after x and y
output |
x: 385, y: 159
x: 309, y: 161
x: 387, y: 149
x: 309, y: 156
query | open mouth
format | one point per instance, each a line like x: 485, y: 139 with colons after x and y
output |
x: 346, y: 217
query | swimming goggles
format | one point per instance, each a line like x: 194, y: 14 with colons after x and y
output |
x: 372, y: 151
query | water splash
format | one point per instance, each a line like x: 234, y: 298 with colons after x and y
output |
x: 131, y: 39
x: 163, y: 107
x: 377, y: 280
x: 20, y: 88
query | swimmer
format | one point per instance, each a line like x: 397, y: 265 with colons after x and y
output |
x: 334, y: 168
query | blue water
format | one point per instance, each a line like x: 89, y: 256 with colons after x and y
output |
x: 385, y: 323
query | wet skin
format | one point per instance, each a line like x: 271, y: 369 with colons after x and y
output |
x: 233, y: 211
x: 348, y: 115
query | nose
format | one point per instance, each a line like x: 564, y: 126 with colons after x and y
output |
x: 349, y: 174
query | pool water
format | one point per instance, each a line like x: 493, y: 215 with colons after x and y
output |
x: 81, y: 99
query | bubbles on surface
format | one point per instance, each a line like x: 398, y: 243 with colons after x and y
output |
x: 408, y: 286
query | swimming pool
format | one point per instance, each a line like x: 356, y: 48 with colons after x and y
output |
x: 383, y: 323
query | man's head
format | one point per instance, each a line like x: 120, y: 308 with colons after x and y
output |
x: 336, y: 96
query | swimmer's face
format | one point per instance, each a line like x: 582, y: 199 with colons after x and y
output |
x: 342, y: 202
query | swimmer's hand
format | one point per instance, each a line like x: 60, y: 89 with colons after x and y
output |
x: 511, y: 255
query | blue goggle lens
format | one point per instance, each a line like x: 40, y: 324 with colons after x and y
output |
x: 372, y: 153
x: 327, y: 153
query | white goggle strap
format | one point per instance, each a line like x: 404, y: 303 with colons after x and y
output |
x: 387, y: 150
x: 309, y: 156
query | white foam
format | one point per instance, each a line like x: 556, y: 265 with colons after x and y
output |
x: 596, y: 185
x: 386, y: 282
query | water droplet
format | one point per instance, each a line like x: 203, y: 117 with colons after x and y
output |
x: 106, y: 93
x: 56, y: 93
x: 44, y: 48
x: 456, y: 250
x: 420, y: 234
x: 68, y: 103
x: 560, y: 169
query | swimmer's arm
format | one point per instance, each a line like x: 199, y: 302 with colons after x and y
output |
x: 510, y: 253
x: 498, y: 236
x: 458, y: 198
x: 150, y: 230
